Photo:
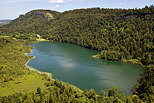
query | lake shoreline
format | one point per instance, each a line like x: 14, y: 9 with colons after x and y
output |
x: 35, y: 70
x: 69, y: 64
x: 46, y: 73
x: 97, y: 56
x: 40, y: 40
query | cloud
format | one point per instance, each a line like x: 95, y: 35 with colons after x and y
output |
x: 56, y: 6
x: 56, y: 1
x: 59, y: 1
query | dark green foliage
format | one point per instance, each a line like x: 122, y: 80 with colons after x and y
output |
x: 54, y: 94
x: 39, y: 92
x: 113, y: 92
x: 119, y: 34
x: 31, y: 22
x: 145, y: 85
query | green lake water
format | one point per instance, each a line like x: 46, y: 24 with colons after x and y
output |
x: 75, y: 65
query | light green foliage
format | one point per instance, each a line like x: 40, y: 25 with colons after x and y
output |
x: 14, y: 76
x: 119, y: 34
x: 59, y: 92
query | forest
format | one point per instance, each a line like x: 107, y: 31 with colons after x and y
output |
x: 14, y: 74
x: 119, y: 35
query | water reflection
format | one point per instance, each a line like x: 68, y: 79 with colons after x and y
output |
x: 74, y: 64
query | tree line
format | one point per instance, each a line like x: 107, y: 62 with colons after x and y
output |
x: 119, y: 35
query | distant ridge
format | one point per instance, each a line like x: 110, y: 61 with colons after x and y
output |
x: 5, y: 21
x: 124, y: 35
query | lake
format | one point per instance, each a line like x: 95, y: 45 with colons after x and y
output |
x: 74, y: 64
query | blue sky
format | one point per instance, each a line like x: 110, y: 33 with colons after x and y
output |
x: 11, y: 9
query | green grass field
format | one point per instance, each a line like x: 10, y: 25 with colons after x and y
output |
x: 15, y: 76
x: 23, y: 84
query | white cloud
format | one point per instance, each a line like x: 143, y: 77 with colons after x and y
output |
x: 56, y: 6
x: 59, y: 1
x: 56, y: 1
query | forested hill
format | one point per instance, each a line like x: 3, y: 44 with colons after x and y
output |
x: 31, y: 21
x: 119, y: 34
x: 125, y: 35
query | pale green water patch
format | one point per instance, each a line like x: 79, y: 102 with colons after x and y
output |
x: 75, y: 65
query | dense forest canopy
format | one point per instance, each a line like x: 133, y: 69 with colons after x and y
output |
x: 119, y: 34
x: 15, y: 81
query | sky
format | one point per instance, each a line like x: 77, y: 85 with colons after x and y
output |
x: 11, y: 9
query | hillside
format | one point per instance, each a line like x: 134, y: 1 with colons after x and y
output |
x: 125, y: 35
x: 18, y: 84
x: 32, y: 21
x: 119, y: 35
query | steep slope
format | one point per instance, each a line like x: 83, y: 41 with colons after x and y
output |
x: 18, y: 84
x: 119, y: 34
x: 32, y: 21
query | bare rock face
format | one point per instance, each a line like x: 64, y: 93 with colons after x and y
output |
x: 48, y: 16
